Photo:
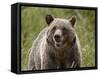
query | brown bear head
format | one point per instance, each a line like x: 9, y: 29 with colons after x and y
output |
x: 61, y: 32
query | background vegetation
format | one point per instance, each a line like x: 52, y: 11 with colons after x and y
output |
x: 33, y: 21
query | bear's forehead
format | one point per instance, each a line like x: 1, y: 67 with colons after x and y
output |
x: 61, y: 22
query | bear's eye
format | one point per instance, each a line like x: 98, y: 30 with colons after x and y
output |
x: 54, y: 28
x: 64, y: 30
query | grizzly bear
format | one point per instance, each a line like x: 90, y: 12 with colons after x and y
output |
x: 56, y: 47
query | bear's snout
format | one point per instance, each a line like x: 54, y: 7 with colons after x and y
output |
x: 58, y: 35
x: 57, y: 38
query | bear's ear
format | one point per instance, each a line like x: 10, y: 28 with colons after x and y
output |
x: 72, y: 20
x: 49, y: 19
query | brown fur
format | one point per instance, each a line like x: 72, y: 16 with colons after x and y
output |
x: 47, y: 54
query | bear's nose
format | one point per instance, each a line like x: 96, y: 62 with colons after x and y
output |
x: 57, y: 38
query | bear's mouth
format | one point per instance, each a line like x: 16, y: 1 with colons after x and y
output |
x: 58, y: 45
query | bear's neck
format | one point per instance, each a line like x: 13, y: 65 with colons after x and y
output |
x: 59, y: 53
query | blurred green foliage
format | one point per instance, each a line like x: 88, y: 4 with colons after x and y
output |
x: 33, y: 21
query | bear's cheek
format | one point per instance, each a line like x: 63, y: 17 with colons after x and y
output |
x: 50, y: 36
x: 66, y: 39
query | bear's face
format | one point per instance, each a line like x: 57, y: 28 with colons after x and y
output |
x: 60, y: 31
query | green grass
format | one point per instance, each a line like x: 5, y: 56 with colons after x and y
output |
x: 33, y: 21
